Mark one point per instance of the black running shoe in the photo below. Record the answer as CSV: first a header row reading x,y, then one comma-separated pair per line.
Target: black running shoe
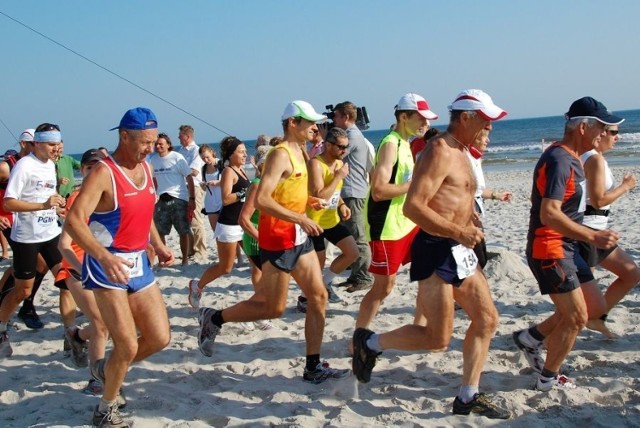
x,y
31,319
364,359
480,405
323,372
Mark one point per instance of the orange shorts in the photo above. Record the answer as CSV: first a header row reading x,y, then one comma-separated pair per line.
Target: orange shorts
x,y
387,256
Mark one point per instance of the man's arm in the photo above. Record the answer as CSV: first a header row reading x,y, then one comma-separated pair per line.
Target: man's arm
x,y
316,180
381,189
278,165
429,175
551,215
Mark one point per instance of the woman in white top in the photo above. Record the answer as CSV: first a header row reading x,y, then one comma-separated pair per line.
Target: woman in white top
x,y
601,193
211,175
474,154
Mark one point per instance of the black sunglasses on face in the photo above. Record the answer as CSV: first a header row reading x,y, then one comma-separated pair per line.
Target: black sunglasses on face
x,y
341,147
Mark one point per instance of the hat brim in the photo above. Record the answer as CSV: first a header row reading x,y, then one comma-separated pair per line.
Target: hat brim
x,y
610,120
492,113
428,114
313,117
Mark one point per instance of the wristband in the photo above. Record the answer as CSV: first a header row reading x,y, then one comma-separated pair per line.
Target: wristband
x,y
493,195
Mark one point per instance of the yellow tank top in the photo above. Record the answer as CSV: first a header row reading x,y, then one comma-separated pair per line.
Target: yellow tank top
x,y
327,217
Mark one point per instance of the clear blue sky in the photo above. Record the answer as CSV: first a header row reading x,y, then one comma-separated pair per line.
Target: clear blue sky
x,y
237,63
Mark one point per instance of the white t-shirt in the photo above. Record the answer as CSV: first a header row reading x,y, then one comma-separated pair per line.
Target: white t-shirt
x,y
212,194
170,172
194,160
32,180
476,167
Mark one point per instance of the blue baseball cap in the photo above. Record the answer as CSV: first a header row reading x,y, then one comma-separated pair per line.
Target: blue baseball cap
x,y
137,119
588,107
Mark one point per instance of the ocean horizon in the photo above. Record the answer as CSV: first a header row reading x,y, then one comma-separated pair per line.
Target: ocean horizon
x,y
516,144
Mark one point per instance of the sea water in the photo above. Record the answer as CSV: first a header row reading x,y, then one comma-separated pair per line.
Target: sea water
x,y
517,144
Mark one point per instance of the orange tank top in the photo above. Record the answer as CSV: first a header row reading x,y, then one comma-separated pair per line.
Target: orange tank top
x,y
291,193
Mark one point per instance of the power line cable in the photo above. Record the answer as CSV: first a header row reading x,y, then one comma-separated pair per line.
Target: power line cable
x,y
113,73
9,130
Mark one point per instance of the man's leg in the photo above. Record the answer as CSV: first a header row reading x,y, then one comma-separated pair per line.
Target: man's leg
x,y
360,267
571,317
437,299
21,291
382,287
475,298
197,227
151,319
308,276
185,244
116,314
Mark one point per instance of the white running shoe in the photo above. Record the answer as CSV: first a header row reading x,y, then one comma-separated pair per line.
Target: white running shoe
x,y
195,294
560,381
333,297
265,325
532,354
207,332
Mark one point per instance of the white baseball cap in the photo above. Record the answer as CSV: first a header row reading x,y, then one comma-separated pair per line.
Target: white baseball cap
x,y
417,103
27,135
302,109
477,100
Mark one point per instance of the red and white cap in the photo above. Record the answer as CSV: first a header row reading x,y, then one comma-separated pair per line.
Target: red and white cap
x,y
480,101
417,103
27,135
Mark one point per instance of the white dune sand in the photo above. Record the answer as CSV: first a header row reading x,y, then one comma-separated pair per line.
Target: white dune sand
x,y
255,377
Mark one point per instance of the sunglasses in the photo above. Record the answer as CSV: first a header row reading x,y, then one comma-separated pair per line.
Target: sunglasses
x,y
612,132
339,146
48,127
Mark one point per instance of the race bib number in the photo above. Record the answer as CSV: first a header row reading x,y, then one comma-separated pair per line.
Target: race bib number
x,y
301,235
333,202
43,220
136,260
466,261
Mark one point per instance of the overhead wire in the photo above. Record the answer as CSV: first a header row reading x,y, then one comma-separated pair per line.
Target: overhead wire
x,y
112,73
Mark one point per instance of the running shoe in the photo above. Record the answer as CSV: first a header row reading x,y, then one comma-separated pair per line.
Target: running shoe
x,y
545,384
195,294
364,359
66,346
532,354
79,349
110,418
265,325
96,369
480,405
247,326
323,372
31,319
301,306
207,332
5,345
333,297
94,387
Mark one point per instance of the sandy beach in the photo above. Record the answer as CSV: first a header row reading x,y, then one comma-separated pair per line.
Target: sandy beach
x,y
255,377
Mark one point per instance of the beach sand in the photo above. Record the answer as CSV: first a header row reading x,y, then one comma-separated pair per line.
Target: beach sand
x,y
255,377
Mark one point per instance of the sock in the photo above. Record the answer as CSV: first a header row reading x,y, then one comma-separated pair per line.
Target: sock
x,y
373,343
106,405
328,277
312,362
76,336
548,374
467,392
535,334
604,317
217,319
3,326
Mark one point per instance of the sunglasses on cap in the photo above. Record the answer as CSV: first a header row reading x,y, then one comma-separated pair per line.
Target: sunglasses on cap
x,y
45,127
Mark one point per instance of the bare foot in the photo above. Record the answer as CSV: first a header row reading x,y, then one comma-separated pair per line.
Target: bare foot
x,y
598,325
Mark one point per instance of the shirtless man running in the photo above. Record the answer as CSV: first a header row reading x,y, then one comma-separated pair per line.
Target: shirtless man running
x,y
440,202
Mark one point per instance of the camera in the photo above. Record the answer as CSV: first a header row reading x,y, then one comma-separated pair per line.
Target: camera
x,y
362,118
